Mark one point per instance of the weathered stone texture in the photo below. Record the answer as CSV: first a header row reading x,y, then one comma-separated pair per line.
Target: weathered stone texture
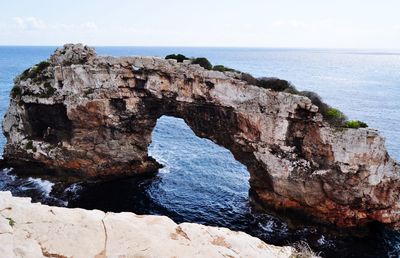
x,y
34,230
103,110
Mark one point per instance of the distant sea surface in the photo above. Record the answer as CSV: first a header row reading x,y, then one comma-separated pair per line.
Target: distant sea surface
x,y
202,182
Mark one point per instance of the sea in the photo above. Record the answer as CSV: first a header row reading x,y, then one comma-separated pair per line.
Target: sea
x,y
201,182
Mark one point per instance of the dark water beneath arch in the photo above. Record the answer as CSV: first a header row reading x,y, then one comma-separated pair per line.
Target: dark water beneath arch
x,y
201,182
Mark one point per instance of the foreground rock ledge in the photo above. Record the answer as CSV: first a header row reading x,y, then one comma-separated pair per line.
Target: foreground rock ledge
x,y
94,115
34,230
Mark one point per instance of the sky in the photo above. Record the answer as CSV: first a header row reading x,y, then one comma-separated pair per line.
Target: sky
x,y
369,24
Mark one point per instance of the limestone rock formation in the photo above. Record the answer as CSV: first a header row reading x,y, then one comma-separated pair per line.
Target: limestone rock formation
x,y
94,116
35,230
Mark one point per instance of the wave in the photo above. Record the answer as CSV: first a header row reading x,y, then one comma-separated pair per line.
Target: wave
x,y
44,186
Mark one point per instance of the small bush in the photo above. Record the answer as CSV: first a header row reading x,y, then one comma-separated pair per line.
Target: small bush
x,y
222,68
273,83
34,71
355,124
335,116
203,62
248,78
41,66
16,91
316,100
178,57
25,74
291,89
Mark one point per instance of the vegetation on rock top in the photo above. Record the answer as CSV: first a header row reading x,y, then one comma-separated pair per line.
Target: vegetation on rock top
x,y
41,66
203,62
34,71
275,84
335,116
222,68
16,92
332,115
178,57
355,124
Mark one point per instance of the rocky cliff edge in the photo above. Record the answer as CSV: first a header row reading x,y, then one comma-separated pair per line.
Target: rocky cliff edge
x,y
34,230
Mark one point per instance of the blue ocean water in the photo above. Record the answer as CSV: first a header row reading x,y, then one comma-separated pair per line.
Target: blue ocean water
x,y
202,182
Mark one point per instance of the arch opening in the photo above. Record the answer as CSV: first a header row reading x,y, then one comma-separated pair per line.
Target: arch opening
x,y
200,180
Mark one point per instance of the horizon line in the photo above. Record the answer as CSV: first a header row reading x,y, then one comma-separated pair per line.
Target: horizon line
x,y
232,47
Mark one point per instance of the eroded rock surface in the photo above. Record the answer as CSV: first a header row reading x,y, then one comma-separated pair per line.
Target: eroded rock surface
x,y
94,115
35,230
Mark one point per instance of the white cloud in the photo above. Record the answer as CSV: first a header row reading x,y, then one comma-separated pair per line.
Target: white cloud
x,y
39,31
92,26
295,24
29,23
34,24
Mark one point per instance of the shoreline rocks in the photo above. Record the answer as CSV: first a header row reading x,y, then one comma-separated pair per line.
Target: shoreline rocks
x,y
92,116
35,230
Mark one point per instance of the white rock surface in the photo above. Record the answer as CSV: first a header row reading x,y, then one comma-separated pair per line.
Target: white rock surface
x,y
35,230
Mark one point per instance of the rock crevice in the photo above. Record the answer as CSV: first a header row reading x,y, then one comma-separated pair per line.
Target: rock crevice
x,y
94,116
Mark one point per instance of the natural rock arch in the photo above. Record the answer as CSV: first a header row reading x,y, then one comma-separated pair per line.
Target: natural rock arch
x,y
94,115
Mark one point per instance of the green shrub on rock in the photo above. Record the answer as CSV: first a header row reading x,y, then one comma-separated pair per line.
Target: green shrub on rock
x,y
25,75
332,115
34,71
16,91
222,68
178,57
41,66
203,62
291,89
248,78
273,83
335,116
355,124
316,100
